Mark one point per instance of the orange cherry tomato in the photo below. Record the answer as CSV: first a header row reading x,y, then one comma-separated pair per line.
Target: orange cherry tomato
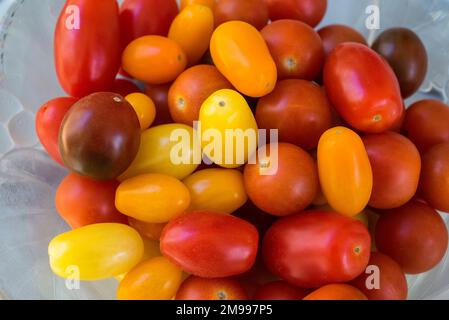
x,y
345,171
154,59
336,292
242,56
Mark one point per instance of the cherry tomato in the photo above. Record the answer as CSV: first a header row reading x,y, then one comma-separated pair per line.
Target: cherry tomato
x,y
296,172
396,166
155,153
151,231
392,284
154,59
87,56
159,95
315,248
82,201
154,279
336,292
100,136
192,30
254,12
95,252
210,245
196,288
406,54
154,198
139,18
308,11
280,290
296,48
299,110
191,89
222,114
124,87
48,122
336,34
216,190
363,88
434,184
345,172
414,235
207,3
242,56
426,123
144,108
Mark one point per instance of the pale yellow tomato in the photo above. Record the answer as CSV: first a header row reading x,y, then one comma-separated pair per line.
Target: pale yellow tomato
x,y
144,107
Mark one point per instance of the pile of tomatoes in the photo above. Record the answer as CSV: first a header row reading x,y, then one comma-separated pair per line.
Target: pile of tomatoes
x,y
352,206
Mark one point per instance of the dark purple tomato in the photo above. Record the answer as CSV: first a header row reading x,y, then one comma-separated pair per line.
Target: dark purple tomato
x,y
100,136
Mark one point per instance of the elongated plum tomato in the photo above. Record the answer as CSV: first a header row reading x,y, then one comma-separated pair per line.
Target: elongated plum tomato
x,y
210,244
48,122
363,88
316,248
154,198
337,292
242,56
100,136
82,201
154,279
87,56
196,288
335,34
155,153
207,3
222,114
144,108
280,290
345,172
216,190
154,59
192,30
254,12
99,251
307,11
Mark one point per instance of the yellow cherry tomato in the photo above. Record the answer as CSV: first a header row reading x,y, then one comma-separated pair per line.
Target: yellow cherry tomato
x,y
345,171
154,198
242,56
144,107
229,130
192,30
154,279
95,252
155,153
220,190
207,3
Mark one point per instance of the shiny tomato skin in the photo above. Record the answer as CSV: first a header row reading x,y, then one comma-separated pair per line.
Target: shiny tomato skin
x,y
336,292
87,58
315,248
254,12
151,231
299,109
426,123
335,34
307,11
400,234
82,201
124,87
196,288
210,244
48,122
280,290
396,166
392,281
363,88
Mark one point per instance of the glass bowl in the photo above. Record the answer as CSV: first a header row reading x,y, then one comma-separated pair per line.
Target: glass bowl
x,y
28,178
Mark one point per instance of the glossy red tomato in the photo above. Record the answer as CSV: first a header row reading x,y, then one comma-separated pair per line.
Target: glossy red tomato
x,y
146,17
124,87
87,51
383,279
336,34
254,12
315,248
196,288
363,88
210,245
48,122
414,235
280,290
82,201
308,11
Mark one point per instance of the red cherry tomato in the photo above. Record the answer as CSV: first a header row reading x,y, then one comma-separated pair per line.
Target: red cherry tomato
x,y
82,201
124,87
308,11
336,34
254,12
315,248
88,55
280,290
363,88
210,245
195,288
48,122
